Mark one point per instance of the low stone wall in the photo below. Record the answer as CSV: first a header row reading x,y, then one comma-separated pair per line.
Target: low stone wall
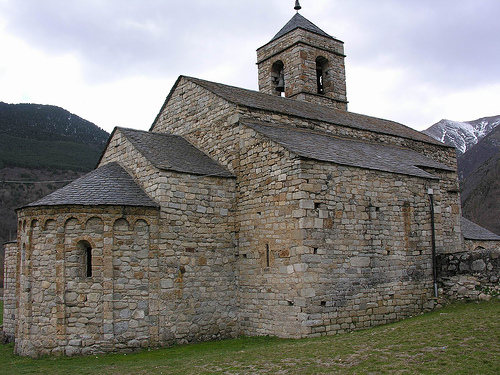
x,y
471,275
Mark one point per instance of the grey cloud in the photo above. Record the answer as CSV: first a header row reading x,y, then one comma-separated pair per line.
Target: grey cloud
x,y
451,43
116,38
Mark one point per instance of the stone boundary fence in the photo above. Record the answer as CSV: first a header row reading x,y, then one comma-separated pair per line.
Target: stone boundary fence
x,y
470,275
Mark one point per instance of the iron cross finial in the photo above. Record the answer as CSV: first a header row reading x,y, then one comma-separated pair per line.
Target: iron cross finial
x,y
297,6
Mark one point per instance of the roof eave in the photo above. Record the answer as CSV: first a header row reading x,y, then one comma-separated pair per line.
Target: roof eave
x,y
61,205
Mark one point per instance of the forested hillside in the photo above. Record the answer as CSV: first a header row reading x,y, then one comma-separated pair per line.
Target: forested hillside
x,y
43,136
42,148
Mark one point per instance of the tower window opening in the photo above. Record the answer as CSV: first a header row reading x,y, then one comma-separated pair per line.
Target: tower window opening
x,y
278,76
268,256
321,64
319,75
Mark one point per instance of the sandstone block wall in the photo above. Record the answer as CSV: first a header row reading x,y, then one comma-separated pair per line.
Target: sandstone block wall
x,y
366,251
448,207
269,236
195,261
285,285
158,277
354,251
62,310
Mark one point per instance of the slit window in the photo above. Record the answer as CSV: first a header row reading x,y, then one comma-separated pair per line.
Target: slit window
x,y
88,265
85,255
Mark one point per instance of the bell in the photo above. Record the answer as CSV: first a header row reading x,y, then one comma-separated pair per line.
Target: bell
x,y
297,6
281,84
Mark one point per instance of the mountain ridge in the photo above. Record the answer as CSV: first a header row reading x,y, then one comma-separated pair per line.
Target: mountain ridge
x,y
480,153
478,160
462,135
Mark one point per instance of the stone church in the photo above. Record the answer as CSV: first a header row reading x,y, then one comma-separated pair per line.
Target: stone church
x,y
276,212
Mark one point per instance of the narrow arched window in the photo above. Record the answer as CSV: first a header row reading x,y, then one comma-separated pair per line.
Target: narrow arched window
x,y
321,64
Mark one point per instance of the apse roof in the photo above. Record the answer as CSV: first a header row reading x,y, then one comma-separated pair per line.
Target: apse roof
x,y
173,152
108,185
300,22
322,146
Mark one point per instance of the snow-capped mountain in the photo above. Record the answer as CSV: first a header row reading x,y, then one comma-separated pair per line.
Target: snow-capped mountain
x,y
462,135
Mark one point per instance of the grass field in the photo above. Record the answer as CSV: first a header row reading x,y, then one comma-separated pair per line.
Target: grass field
x,y
463,338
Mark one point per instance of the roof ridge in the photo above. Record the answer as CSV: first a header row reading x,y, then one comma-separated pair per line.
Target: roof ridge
x,y
321,132
312,111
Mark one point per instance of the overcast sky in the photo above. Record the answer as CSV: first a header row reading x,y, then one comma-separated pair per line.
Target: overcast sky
x,y
113,62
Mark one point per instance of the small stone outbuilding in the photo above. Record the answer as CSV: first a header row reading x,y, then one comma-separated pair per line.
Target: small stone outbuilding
x,y
275,212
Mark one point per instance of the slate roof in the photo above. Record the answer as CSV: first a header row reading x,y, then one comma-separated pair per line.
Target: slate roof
x,y
298,21
173,152
106,185
308,111
357,153
472,231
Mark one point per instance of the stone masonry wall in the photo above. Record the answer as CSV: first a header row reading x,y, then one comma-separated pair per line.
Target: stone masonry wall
x,y
159,277
61,309
279,291
196,259
477,245
448,201
316,273
196,250
470,274
269,237
9,294
264,205
367,247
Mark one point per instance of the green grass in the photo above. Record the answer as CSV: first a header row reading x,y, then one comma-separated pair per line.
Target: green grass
x,y
463,338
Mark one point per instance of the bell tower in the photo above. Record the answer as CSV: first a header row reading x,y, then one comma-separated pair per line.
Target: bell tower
x,y
303,62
